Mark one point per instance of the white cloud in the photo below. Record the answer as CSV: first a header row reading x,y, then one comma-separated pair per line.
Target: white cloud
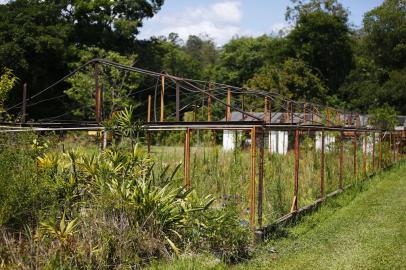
x,y
221,21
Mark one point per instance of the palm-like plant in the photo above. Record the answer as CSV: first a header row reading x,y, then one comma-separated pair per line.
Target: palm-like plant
x,y
124,123
63,232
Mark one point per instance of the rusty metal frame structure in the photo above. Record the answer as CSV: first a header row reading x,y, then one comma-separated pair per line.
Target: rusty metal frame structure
x,y
300,117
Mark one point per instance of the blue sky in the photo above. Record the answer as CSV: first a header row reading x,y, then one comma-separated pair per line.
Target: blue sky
x,y
223,19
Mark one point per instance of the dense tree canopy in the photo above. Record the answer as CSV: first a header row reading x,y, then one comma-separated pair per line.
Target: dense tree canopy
x,y
39,39
321,58
293,79
323,41
385,34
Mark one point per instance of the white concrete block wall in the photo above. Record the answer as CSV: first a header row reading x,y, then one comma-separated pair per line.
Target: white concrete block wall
x,y
228,140
328,141
278,140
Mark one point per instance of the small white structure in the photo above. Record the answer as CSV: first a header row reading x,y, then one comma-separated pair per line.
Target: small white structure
x,y
328,141
278,142
229,140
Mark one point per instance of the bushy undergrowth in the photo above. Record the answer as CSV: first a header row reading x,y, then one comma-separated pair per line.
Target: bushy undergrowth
x,y
104,211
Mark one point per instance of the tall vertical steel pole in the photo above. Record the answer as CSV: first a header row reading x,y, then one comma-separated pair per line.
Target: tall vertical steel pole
x,y
380,166
296,175
322,165
209,105
228,109
261,177
149,120
373,150
355,153
341,157
364,160
162,98
251,194
390,147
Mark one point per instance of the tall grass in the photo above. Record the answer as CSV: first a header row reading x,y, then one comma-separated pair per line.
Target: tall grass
x,y
226,174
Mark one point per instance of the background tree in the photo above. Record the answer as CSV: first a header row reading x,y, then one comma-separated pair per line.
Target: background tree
x,y
385,34
379,75
293,79
40,39
383,117
7,82
241,58
118,86
321,38
112,25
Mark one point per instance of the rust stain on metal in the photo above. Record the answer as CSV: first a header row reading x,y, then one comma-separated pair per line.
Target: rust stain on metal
x,y
322,165
355,153
228,110
261,177
364,161
162,98
341,160
296,174
251,194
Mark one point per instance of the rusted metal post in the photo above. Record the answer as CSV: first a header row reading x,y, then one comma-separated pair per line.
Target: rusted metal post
x,y
296,179
261,177
373,151
355,153
187,181
251,194
177,101
98,93
341,157
228,109
380,165
149,109
328,117
149,120
304,113
209,105
269,131
394,146
242,106
390,147
322,193
364,160
395,135
24,112
291,112
162,98
266,111
397,143
358,120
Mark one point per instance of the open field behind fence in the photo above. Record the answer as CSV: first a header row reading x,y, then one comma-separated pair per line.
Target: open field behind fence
x,y
227,174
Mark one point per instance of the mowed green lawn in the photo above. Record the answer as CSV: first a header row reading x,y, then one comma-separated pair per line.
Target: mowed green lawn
x,y
364,228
